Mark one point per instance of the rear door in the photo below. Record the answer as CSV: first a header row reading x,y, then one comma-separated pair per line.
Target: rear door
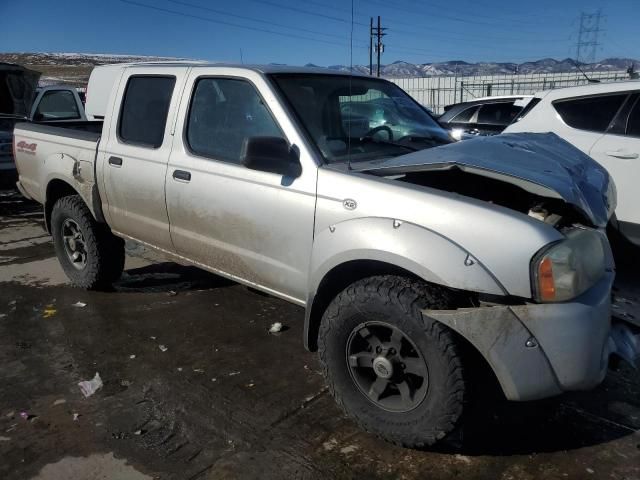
x,y
619,152
586,119
134,160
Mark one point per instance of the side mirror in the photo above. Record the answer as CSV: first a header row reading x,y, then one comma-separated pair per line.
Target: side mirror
x,y
270,154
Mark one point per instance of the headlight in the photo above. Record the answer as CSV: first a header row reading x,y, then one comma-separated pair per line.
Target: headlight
x,y
570,267
456,133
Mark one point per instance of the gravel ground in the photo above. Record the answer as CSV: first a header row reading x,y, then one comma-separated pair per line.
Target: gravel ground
x,y
195,387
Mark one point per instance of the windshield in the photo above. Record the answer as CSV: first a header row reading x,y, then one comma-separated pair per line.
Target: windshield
x,y
359,118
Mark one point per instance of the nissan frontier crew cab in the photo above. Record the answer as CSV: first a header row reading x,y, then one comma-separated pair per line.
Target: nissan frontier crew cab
x,y
341,194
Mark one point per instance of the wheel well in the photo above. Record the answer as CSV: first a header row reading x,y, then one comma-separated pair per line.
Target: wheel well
x,y
55,191
339,278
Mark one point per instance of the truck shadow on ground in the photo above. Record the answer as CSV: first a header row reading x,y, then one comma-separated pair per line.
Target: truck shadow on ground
x,y
494,426
169,277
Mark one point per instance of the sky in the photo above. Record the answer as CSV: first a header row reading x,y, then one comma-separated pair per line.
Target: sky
x,y
317,31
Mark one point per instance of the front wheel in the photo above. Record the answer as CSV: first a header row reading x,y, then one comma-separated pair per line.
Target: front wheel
x,y
90,255
398,374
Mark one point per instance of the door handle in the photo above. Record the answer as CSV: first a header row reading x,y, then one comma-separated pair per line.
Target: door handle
x,y
115,161
622,154
182,176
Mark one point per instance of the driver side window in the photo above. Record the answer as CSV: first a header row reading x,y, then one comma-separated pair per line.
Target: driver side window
x,y
224,113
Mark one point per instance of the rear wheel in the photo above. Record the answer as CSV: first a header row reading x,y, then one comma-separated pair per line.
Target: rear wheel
x,y
398,374
91,256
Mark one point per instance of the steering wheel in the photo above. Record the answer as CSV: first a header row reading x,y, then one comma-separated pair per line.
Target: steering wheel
x,y
381,128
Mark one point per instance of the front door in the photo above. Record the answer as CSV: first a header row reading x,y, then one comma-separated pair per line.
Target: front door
x,y
253,226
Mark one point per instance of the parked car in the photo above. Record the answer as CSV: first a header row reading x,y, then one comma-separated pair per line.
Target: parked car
x,y
481,116
602,120
20,100
17,87
403,252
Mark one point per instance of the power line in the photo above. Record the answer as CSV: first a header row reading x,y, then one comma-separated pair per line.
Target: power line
x,y
503,16
257,20
307,12
435,14
230,24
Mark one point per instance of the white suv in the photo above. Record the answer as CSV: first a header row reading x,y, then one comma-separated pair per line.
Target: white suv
x,y
602,120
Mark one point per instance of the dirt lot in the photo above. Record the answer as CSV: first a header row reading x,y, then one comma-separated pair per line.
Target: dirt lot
x,y
195,387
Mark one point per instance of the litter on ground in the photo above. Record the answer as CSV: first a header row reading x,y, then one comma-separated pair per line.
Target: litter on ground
x,y
89,387
275,327
162,348
79,304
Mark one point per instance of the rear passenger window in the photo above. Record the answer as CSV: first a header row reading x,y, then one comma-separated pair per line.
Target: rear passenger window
x,y
224,113
633,125
498,113
591,113
465,115
57,105
143,116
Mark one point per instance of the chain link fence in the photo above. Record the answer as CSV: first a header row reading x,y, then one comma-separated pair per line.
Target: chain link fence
x,y
437,92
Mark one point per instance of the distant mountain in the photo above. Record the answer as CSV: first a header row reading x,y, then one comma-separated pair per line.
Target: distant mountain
x,y
78,59
74,68
71,68
457,67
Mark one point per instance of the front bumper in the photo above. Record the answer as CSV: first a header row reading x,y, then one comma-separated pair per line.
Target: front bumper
x,y
541,350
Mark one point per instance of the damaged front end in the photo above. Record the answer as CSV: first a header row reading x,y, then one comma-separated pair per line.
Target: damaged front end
x,y
561,338
540,175
541,350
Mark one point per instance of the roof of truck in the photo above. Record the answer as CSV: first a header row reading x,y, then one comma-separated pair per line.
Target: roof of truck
x,y
255,68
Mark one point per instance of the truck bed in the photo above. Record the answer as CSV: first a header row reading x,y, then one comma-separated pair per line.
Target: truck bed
x,y
61,151
81,130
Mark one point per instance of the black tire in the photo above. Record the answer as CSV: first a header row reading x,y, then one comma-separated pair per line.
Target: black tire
x,y
395,301
104,252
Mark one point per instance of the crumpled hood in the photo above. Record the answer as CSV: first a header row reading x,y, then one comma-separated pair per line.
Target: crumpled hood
x,y
17,87
540,163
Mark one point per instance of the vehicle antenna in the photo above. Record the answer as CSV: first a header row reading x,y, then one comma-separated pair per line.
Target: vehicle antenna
x,y
350,77
590,80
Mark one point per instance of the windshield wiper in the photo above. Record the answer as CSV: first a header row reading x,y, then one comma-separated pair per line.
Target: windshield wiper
x,y
389,142
431,140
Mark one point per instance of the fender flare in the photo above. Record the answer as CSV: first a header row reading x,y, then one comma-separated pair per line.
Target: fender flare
x,y
407,246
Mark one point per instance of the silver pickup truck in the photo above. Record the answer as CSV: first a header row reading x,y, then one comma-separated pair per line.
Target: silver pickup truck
x,y
411,254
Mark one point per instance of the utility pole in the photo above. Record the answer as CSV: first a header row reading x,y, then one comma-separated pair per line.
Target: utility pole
x,y
588,36
370,45
379,47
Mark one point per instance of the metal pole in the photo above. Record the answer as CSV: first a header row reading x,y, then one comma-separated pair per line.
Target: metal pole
x,y
379,44
370,45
